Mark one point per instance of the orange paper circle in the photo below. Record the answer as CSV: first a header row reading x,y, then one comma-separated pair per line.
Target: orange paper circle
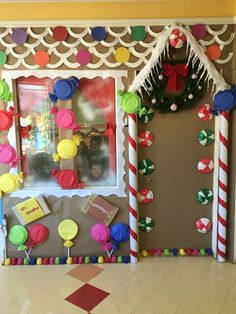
x,y
41,58
213,52
122,54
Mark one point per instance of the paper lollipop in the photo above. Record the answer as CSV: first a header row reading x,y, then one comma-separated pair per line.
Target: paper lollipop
x,y
68,230
67,149
67,178
100,233
18,236
10,182
131,103
4,91
8,155
65,118
64,89
38,234
119,233
6,118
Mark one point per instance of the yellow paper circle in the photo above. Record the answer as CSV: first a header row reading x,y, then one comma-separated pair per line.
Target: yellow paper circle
x,y
68,229
67,149
122,54
9,183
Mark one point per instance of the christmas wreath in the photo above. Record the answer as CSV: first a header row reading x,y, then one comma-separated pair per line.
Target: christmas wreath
x,y
175,86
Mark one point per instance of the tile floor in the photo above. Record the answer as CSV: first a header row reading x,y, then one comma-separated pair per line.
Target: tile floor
x,y
164,285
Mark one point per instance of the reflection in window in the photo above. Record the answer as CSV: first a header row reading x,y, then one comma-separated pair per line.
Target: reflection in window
x,y
95,109
39,133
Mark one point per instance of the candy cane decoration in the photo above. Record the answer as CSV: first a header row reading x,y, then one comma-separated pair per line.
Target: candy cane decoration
x,y
133,187
222,188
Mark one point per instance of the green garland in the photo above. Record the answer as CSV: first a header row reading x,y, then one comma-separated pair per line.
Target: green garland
x,y
165,103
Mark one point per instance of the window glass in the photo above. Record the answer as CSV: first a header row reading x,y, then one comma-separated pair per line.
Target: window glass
x,y
94,106
38,131
95,109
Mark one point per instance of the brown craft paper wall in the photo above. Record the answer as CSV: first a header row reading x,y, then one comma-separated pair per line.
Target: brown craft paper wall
x,y
175,181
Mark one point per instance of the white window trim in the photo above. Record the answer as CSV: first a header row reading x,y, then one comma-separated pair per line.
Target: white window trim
x,y
119,189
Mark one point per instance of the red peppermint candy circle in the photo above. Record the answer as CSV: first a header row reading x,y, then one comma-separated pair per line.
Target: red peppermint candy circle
x,y
204,112
177,38
145,196
145,138
203,225
205,165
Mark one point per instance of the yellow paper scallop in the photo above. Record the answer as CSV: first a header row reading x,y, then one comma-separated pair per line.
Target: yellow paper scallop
x,y
122,54
9,183
68,229
67,149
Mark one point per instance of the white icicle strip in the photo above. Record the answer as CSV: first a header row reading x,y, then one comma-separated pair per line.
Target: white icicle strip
x,y
162,44
196,52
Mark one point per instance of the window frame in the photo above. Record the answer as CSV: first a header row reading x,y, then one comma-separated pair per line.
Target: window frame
x,y
119,188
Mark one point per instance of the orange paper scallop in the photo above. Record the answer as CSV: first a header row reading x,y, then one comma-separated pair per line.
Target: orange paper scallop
x,y
213,52
41,58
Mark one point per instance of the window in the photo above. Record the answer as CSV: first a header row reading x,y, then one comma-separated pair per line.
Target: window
x,y
99,162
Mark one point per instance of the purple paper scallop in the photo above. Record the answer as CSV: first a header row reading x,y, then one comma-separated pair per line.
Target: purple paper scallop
x,y
198,31
83,56
19,36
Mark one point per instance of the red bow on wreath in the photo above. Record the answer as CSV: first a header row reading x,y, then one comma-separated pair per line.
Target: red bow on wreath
x,y
175,74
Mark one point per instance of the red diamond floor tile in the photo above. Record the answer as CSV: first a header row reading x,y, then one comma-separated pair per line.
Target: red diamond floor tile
x,y
87,297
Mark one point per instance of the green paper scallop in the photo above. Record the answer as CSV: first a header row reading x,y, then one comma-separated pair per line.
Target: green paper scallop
x,y
3,58
18,235
138,33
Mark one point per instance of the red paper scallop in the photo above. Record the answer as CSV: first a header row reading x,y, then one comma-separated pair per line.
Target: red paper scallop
x,y
41,58
213,52
60,33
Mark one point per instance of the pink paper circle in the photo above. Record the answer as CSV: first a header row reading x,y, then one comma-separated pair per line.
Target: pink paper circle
x,y
198,31
83,56
19,36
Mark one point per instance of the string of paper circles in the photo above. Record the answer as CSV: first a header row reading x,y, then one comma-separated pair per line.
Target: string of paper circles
x,y
175,86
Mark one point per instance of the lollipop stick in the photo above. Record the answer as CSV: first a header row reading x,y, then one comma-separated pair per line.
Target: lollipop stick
x,y
108,254
27,255
29,252
111,252
68,252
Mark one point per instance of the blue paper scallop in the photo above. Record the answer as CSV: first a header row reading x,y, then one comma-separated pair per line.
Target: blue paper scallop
x,y
99,33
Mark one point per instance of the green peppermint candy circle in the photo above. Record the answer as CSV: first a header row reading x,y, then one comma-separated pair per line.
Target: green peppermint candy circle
x,y
206,137
146,167
148,116
204,196
146,224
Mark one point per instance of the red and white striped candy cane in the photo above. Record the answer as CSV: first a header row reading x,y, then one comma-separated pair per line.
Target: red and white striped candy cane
x,y
133,187
222,188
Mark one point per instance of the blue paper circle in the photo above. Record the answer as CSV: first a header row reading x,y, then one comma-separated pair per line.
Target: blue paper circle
x,y
99,33
225,100
120,232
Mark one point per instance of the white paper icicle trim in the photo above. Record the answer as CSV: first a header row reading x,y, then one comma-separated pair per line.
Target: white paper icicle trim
x,y
196,52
